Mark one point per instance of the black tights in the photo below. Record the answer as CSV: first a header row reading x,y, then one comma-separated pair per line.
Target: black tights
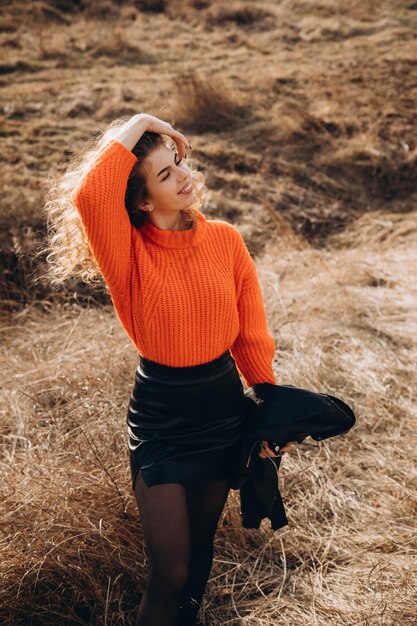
x,y
179,524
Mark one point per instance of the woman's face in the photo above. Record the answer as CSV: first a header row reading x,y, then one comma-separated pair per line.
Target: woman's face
x,y
166,177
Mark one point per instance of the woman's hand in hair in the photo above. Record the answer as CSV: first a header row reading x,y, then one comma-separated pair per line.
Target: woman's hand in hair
x,y
131,131
155,125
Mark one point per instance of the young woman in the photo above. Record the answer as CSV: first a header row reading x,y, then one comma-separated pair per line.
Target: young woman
x,y
186,291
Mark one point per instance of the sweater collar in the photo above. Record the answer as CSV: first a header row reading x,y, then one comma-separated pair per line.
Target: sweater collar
x,y
177,238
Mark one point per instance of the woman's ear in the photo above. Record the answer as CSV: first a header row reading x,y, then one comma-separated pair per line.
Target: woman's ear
x,y
145,206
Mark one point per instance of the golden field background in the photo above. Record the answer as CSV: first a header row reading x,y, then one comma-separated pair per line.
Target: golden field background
x,y
302,117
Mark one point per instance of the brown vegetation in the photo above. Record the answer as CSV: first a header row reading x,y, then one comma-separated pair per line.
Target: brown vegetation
x,y
201,106
301,115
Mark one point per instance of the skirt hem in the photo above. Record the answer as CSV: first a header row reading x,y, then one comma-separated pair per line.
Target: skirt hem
x,y
167,473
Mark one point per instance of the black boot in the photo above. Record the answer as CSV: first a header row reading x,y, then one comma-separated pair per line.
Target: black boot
x,y
187,615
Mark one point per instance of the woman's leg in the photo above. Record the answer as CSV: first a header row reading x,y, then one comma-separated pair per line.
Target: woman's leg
x,y
164,517
205,505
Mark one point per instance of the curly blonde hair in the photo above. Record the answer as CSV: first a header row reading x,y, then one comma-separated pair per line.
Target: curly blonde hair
x,y
68,254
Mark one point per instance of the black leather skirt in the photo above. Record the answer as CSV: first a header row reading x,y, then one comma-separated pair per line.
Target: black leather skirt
x,y
185,424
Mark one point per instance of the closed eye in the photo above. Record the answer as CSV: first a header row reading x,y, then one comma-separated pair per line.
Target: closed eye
x,y
177,163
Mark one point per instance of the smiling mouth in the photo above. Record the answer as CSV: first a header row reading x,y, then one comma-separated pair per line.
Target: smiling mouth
x,y
186,189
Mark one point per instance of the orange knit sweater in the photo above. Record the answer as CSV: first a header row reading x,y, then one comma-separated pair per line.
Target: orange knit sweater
x,y
183,297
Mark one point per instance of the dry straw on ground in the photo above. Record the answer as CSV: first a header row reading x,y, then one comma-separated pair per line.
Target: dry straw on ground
x,y
72,543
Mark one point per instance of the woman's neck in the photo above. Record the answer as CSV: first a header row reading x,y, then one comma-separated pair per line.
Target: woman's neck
x,y
180,224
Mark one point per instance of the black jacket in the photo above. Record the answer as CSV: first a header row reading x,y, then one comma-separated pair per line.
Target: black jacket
x,y
279,414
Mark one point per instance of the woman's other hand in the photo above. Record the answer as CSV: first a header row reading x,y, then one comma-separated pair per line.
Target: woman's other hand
x,y
266,450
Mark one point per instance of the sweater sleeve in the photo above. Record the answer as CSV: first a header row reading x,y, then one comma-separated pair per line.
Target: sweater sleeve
x,y
254,347
100,200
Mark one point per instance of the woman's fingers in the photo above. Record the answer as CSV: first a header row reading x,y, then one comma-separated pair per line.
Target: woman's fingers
x,y
180,140
182,145
154,124
266,450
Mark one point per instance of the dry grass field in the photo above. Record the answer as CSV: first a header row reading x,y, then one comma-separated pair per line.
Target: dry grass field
x,y
302,116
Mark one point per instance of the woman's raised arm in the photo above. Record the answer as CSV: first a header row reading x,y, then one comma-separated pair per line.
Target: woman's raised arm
x,y
100,197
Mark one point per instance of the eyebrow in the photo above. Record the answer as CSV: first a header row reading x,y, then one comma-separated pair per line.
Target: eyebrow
x,y
168,166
